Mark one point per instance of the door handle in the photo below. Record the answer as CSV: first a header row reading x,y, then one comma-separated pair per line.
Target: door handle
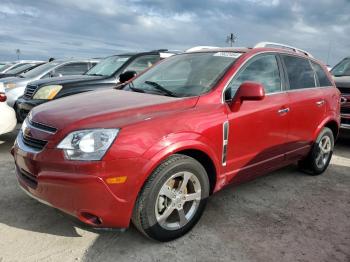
x,y
284,111
320,103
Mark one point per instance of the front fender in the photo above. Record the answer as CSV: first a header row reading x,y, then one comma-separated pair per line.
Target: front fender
x,y
174,143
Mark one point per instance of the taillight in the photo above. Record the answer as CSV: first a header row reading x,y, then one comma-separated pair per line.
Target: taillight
x,y
2,97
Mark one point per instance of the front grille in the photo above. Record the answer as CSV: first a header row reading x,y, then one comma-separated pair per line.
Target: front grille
x,y
344,90
345,110
43,127
33,142
29,91
28,178
345,121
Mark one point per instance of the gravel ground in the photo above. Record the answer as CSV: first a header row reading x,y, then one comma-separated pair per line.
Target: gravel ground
x,y
285,216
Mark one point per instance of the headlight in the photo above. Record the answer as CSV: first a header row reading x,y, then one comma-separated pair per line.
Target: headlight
x,y
9,85
47,92
88,144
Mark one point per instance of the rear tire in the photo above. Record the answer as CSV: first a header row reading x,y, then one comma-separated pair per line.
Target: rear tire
x,y
321,154
173,199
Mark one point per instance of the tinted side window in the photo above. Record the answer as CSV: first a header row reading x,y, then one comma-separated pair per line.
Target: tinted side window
x,y
321,75
262,69
72,69
142,63
300,73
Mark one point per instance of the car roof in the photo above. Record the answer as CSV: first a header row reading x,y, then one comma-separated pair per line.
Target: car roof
x,y
74,60
153,52
259,47
219,49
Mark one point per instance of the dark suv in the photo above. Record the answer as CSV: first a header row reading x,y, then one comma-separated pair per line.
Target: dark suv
x,y
341,74
104,75
153,151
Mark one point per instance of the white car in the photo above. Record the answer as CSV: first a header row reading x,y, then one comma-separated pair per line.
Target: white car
x,y
8,119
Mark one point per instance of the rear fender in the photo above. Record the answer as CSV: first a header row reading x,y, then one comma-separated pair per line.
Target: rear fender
x,y
331,118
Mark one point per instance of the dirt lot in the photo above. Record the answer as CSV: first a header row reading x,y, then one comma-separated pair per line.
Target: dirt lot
x,y
286,216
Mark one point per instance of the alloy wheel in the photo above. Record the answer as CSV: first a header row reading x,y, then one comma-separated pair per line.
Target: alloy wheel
x,y
324,151
178,200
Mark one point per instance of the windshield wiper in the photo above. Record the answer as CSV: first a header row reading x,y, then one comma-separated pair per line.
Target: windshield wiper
x,y
160,88
95,75
132,87
341,75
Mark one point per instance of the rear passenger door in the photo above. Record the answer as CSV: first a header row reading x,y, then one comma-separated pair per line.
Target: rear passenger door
x,y
307,104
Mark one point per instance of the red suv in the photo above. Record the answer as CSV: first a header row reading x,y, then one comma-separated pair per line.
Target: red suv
x,y
153,151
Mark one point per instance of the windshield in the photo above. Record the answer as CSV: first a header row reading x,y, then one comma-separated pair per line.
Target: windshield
x,y
184,75
20,69
40,69
342,69
108,66
6,66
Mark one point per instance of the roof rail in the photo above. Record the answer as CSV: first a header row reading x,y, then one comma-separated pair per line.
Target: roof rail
x,y
198,48
282,46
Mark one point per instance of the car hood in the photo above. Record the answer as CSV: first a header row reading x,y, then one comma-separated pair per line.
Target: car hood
x,y
10,79
63,80
342,81
106,109
20,82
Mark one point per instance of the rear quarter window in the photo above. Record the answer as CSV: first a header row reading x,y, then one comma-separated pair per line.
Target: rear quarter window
x,y
300,73
321,75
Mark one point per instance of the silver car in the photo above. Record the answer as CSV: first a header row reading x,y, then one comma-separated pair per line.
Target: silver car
x,y
15,86
7,66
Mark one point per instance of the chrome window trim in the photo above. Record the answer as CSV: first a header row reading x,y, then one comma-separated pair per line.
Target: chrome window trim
x,y
282,91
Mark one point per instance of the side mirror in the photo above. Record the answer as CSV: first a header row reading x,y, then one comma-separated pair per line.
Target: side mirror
x,y
248,91
3,97
126,76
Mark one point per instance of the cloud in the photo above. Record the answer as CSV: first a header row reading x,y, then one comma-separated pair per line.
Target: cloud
x,y
88,28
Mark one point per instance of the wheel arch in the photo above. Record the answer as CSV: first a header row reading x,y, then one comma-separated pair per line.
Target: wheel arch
x,y
196,149
332,124
206,162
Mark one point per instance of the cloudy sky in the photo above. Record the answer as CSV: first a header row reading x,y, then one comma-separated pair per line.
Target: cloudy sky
x,y
94,28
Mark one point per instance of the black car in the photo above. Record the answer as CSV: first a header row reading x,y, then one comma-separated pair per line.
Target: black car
x,y
21,69
107,74
341,75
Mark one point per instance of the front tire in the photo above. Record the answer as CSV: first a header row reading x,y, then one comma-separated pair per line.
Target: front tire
x,y
173,199
321,154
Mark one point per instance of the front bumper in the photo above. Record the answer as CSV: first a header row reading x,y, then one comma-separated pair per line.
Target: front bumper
x,y
13,94
80,188
24,106
345,121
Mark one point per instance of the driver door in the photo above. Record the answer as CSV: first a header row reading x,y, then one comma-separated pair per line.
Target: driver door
x,y
258,131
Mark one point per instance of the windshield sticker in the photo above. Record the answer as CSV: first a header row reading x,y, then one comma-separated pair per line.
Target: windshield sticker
x,y
228,54
123,59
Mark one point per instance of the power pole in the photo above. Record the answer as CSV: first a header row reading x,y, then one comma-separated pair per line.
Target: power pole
x,y
231,39
18,52
329,51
